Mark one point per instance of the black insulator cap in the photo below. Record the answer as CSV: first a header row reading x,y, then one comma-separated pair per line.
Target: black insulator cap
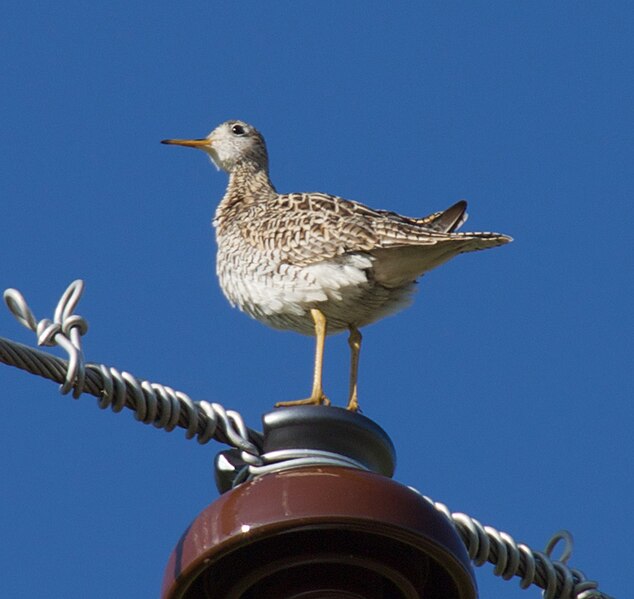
x,y
330,429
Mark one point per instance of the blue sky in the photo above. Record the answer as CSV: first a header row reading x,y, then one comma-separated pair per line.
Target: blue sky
x,y
507,387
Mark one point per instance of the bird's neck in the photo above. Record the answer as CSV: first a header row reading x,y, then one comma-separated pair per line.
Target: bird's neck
x,y
248,183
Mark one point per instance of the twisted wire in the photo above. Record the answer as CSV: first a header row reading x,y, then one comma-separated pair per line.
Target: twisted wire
x,y
152,403
487,544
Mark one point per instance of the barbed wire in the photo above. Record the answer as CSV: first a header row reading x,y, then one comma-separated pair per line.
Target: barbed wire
x,y
165,408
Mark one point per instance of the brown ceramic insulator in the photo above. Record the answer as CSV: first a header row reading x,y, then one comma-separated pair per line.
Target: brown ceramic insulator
x,y
320,533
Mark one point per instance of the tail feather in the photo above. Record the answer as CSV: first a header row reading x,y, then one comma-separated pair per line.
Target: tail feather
x,y
445,221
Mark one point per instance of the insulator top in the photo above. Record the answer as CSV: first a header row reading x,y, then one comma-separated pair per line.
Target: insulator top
x,y
303,436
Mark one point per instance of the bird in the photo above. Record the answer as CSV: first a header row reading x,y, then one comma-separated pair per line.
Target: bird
x,y
315,263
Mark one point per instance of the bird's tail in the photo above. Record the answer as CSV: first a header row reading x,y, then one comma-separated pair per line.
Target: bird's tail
x,y
445,221
398,265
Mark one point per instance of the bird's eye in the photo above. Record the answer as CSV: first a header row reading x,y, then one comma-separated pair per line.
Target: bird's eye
x,y
238,130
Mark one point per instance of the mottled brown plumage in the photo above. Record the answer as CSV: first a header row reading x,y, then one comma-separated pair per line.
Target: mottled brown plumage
x,y
316,263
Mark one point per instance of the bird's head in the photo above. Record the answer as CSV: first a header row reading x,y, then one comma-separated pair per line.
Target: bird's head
x,y
230,144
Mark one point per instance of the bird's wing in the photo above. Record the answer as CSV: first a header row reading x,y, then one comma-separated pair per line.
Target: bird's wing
x,y
307,228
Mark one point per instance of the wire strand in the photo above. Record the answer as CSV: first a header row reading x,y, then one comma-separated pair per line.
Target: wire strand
x,y
152,403
511,559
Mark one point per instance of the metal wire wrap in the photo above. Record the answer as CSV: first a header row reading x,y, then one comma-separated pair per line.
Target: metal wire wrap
x,y
64,330
287,459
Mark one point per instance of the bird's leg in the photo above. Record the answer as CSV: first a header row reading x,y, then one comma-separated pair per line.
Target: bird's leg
x,y
317,396
354,341
317,393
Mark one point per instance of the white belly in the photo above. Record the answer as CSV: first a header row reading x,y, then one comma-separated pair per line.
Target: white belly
x,y
282,295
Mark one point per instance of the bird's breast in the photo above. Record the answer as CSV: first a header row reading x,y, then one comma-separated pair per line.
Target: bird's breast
x,y
281,294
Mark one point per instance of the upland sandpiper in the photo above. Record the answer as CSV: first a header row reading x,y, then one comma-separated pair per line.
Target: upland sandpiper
x,y
316,263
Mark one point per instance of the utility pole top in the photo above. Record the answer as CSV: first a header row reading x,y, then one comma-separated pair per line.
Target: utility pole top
x,y
322,520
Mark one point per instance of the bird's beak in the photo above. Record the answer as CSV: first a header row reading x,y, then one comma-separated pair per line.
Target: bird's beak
x,y
190,143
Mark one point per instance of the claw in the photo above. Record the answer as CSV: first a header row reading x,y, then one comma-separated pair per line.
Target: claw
x,y
319,400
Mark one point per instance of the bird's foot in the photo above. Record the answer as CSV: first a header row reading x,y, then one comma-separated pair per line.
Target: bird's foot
x,y
353,404
316,399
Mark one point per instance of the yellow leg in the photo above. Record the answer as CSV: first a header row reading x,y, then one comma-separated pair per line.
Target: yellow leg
x,y
354,341
317,396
